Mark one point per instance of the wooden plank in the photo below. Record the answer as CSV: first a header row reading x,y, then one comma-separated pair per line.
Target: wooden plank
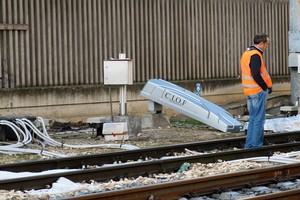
x,y
12,27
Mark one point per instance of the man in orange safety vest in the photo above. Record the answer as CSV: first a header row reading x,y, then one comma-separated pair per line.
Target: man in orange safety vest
x,y
257,84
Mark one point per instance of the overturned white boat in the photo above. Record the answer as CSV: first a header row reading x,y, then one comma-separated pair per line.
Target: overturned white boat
x,y
190,104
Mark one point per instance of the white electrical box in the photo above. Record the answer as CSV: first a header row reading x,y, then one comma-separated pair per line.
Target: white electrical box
x,y
118,72
115,131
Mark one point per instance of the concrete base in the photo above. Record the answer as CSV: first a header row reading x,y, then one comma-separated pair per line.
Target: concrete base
x,y
295,85
134,123
155,120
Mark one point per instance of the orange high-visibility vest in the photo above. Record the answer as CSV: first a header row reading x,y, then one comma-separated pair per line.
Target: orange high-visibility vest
x,y
249,85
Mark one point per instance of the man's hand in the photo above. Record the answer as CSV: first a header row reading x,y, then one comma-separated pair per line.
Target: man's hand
x,y
270,90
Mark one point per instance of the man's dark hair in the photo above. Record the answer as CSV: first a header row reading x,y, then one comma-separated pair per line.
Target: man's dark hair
x,y
262,37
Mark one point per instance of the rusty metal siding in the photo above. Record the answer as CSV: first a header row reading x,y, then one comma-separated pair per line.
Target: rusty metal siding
x,y
68,40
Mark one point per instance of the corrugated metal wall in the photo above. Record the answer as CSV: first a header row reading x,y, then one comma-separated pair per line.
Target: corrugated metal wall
x,y
67,40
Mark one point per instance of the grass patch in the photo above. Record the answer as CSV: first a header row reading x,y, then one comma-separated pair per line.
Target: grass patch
x,y
186,122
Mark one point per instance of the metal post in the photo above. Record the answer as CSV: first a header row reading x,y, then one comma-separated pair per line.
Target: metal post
x,y
123,100
122,91
110,103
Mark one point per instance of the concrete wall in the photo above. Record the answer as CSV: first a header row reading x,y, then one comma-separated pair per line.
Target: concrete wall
x,y
81,102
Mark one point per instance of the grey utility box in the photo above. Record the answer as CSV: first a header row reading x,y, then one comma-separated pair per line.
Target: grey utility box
x,y
118,72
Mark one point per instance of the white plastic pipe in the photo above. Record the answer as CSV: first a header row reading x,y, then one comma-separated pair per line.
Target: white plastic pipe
x,y
25,137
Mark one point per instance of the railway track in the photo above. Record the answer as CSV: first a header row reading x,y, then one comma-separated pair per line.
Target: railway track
x,y
135,169
208,185
84,161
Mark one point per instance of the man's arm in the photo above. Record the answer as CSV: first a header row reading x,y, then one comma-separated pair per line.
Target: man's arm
x,y
255,64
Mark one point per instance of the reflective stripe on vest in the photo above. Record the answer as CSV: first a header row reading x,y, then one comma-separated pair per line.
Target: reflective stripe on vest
x,y
250,78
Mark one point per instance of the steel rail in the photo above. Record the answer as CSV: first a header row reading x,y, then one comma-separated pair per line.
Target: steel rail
x,y
142,168
154,152
285,195
201,186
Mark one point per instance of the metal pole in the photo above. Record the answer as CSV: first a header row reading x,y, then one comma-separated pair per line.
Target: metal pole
x,y
110,102
122,99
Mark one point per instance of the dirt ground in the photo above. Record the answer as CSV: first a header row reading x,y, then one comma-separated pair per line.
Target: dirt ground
x,y
181,130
